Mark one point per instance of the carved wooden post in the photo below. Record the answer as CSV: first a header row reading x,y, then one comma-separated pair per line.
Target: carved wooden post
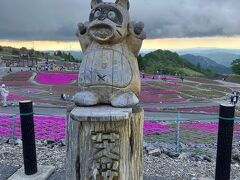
x,y
105,143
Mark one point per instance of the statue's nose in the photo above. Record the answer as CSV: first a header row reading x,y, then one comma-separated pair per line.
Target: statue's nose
x,y
102,17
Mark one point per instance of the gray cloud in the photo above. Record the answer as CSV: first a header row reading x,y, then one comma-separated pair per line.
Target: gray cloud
x,y
57,19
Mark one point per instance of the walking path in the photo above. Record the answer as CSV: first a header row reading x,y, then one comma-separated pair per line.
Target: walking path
x,y
54,111
228,84
3,71
38,110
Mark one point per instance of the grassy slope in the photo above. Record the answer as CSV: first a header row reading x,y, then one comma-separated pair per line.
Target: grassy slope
x,y
192,72
167,62
233,78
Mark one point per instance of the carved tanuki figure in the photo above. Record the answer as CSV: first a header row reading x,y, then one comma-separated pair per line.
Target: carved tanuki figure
x,y
109,71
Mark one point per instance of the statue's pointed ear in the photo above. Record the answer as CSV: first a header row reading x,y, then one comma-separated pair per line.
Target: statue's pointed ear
x,y
95,2
123,3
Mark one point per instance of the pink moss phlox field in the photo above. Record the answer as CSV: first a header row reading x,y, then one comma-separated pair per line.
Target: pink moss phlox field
x,y
148,91
154,96
237,129
55,78
205,128
18,76
155,128
46,127
237,133
174,85
169,78
16,83
145,81
53,127
14,97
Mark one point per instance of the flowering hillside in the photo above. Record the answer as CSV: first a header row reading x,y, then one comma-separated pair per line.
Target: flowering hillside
x,y
47,78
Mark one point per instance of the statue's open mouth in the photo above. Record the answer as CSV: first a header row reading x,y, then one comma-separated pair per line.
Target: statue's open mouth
x,y
101,32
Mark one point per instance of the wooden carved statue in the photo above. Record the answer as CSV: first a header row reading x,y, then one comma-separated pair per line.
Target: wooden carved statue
x,y
109,71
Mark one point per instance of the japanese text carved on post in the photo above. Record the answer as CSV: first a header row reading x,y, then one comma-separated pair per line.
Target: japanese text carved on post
x,y
110,43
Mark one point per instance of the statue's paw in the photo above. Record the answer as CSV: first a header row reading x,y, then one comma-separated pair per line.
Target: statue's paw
x,y
85,98
136,29
125,100
81,30
142,36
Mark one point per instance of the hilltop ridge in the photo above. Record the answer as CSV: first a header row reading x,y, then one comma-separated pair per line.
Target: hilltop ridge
x,y
168,62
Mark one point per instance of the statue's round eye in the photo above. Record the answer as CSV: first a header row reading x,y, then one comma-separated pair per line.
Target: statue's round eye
x,y
111,15
97,14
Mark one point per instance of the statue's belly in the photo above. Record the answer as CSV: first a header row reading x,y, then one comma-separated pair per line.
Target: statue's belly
x,y
105,67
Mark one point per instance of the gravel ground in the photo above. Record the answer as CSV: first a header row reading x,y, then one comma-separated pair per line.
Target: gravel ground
x,y
46,155
161,166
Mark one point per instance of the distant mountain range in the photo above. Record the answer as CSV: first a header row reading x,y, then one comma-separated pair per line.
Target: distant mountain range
x,y
206,63
168,62
220,56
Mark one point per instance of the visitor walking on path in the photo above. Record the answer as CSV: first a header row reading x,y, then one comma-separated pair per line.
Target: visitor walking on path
x,y
4,94
182,78
63,97
234,97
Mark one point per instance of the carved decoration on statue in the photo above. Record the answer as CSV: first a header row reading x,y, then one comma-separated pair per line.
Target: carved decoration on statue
x,y
106,156
110,43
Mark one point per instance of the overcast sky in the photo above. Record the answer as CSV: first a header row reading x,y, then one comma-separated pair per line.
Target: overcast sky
x,y
57,19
